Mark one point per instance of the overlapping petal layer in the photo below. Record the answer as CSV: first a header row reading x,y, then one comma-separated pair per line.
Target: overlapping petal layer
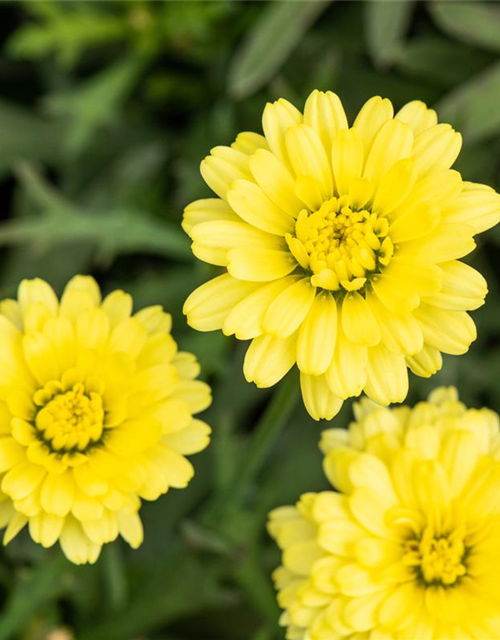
x,y
409,546
96,413
342,248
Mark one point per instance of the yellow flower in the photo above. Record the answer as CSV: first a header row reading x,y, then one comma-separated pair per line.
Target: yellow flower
x,y
96,412
409,549
341,247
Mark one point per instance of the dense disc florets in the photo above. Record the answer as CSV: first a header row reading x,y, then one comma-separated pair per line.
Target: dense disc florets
x,y
96,413
409,546
342,247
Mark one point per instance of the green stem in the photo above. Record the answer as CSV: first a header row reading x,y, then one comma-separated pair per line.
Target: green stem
x,y
262,440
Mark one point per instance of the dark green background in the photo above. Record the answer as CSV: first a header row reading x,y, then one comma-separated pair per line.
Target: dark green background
x,y
106,109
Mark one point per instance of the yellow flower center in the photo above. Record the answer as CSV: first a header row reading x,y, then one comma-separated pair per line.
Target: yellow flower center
x,y
69,420
438,560
341,246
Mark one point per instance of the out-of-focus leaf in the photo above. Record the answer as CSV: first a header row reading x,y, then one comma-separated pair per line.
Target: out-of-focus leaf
x,y
118,231
39,587
473,107
96,102
473,22
24,135
386,24
65,31
269,43
185,587
435,58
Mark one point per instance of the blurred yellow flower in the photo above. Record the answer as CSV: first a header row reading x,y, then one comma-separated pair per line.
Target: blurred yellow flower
x,y
341,247
409,549
96,413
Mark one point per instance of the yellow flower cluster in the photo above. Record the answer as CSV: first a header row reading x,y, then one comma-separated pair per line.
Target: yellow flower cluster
x,y
341,246
409,546
96,413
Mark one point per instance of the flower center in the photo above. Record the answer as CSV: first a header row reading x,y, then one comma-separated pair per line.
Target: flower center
x,y
438,560
341,246
69,420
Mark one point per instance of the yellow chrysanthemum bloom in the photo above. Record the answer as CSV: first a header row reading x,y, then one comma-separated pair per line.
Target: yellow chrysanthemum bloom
x,y
341,247
409,549
96,413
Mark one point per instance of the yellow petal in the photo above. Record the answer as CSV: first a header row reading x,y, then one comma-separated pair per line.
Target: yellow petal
x,y
118,306
317,336
372,116
222,167
400,333
92,329
477,206
387,376
276,182
358,322
347,159
463,288
324,113
449,331
58,493
394,188
37,290
128,337
11,453
392,143
277,118
207,307
418,116
22,480
425,363
287,311
346,375
206,210
192,439
223,235
246,317
268,359
46,528
76,545
248,142
419,220
260,265
131,529
308,157
40,357
85,284
250,202
319,400
436,148
60,334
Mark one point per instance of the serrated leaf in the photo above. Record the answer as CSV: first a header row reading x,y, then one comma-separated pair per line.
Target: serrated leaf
x,y
24,135
473,107
386,24
274,36
96,102
61,221
473,22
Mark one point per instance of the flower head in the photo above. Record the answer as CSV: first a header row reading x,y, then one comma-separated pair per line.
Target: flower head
x,y
96,413
409,547
342,248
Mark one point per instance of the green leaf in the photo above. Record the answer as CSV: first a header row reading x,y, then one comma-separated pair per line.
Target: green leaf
x,y
434,58
24,135
39,587
64,30
475,23
118,231
95,103
473,107
386,24
278,31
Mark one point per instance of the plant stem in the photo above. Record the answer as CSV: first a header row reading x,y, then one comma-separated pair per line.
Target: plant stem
x,y
262,440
